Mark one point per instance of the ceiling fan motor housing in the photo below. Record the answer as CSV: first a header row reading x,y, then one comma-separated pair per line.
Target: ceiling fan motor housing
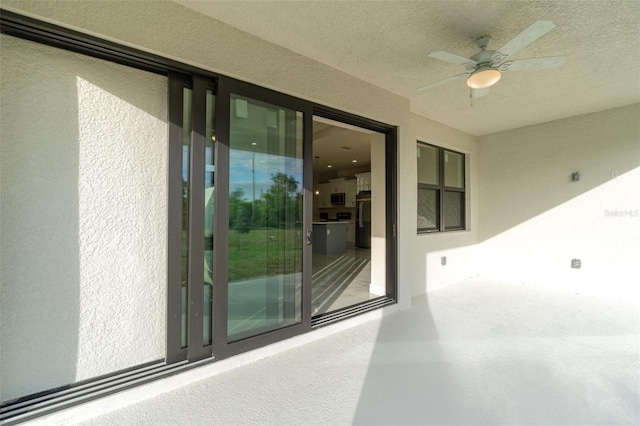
x,y
483,73
484,57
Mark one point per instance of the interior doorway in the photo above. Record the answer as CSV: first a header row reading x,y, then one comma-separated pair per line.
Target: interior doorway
x,y
349,219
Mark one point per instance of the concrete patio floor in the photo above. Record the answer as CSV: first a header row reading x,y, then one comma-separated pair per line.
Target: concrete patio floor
x,y
473,353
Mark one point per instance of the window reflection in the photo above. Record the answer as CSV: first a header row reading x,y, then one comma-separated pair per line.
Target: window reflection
x,y
265,217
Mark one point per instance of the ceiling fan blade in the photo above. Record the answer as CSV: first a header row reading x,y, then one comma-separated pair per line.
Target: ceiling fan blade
x,y
533,64
478,93
441,82
469,64
528,36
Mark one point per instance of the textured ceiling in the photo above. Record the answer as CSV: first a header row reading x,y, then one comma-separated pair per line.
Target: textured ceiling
x,y
388,42
336,145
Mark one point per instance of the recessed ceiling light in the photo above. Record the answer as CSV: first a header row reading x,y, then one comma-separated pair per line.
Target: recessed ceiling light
x,y
329,166
253,143
354,161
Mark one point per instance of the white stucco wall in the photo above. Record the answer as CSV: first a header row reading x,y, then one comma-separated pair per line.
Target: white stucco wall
x,y
458,246
176,32
535,220
83,217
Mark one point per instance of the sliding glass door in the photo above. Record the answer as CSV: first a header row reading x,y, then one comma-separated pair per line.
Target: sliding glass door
x,y
265,249
244,219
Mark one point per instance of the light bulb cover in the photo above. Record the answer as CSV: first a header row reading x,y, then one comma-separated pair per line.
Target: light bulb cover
x,y
484,77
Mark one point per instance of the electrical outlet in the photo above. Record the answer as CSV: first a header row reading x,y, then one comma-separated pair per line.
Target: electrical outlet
x,y
443,260
576,263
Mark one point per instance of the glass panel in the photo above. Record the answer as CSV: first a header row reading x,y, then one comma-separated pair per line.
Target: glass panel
x,y
453,209
427,208
427,164
265,217
186,143
209,172
453,169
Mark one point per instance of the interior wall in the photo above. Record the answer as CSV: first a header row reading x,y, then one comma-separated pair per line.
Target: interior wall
x,y
457,246
83,187
535,219
378,216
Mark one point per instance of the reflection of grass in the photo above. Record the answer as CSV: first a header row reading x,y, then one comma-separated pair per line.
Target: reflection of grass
x,y
260,253
264,252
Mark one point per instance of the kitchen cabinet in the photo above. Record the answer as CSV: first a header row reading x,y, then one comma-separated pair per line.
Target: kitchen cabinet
x,y
329,237
350,192
324,198
364,181
337,186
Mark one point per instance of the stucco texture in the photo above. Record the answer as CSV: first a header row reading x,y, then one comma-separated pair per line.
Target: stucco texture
x,y
459,247
83,217
535,219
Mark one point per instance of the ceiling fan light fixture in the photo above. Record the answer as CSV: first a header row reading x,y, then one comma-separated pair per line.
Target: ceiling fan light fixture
x,y
484,77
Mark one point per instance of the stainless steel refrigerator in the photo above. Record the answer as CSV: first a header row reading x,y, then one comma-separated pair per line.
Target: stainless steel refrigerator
x,y
363,219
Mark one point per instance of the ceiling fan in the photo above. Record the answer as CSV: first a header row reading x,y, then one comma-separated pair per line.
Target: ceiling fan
x,y
485,68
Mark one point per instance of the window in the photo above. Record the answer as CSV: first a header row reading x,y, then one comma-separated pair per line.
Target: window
x,y
441,189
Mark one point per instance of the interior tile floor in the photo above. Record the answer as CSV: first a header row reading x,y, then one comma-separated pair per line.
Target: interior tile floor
x,y
473,353
340,280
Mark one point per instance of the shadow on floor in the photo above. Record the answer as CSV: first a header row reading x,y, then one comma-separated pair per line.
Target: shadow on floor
x,y
487,353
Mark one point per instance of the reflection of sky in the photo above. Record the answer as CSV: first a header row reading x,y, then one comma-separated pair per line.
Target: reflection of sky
x,y
266,165
185,162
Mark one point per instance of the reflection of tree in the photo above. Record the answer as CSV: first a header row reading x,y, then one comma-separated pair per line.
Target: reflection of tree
x,y
235,202
280,201
278,207
185,201
242,222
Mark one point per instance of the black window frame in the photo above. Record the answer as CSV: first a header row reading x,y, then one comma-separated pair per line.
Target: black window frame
x,y
441,190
